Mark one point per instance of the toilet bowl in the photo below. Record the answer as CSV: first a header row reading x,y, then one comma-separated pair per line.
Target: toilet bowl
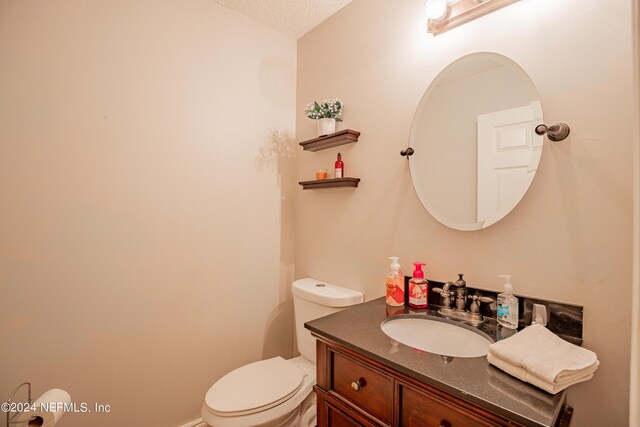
x,y
277,392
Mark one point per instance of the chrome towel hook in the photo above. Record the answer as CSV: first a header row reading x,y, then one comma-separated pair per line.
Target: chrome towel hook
x,y
556,132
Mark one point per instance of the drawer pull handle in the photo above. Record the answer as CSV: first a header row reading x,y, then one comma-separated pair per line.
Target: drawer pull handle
x,y
444,423
357,385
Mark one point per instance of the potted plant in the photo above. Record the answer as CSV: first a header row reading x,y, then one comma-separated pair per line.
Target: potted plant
x,y
327,113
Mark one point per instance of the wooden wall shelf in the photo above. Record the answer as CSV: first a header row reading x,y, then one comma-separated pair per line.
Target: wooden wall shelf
x,y
335,139
330,183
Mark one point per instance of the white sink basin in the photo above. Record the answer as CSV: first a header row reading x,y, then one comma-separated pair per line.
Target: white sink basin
x,y
437,336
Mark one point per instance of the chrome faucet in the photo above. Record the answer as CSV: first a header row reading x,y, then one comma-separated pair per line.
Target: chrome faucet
x,y
472,315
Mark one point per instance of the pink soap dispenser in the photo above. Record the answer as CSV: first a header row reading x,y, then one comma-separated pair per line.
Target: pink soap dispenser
x,y
418,287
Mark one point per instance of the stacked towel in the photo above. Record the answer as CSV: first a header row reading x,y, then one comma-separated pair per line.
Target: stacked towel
x,y
539,357
517,391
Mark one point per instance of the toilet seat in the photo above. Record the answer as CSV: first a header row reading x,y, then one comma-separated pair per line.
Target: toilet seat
x,y
255,387
286,414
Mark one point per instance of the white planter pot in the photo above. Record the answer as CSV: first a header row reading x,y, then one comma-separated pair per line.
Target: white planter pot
x,y
326,126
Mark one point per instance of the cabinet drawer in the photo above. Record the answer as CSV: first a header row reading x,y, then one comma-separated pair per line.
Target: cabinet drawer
x,y
420,410
366,388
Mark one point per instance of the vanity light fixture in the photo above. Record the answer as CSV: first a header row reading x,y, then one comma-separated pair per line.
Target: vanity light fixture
x,y
447,14
437,10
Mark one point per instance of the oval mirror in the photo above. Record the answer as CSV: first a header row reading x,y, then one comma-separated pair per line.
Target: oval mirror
x,y
475,148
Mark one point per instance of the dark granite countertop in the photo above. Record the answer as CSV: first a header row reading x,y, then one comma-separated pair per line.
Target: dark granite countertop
x,y
471,379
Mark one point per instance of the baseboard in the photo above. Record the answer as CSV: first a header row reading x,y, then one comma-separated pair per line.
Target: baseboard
x,y
195,423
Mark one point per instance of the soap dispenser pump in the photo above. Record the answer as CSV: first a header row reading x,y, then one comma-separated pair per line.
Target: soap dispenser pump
x,y
418,287
507,305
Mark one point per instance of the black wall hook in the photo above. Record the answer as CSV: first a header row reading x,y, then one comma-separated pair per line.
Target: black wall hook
x,y
406,153
556,132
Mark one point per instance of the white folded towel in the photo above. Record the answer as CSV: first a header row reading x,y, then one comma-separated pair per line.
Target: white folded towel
x,y
515,390
546,356
522,374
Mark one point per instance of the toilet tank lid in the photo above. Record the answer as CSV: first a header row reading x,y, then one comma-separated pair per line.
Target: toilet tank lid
x,y
324,293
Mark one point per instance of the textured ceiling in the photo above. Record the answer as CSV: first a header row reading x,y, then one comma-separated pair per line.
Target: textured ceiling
x,y
292,17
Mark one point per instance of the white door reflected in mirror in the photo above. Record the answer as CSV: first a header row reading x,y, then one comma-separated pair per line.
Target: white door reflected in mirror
x,y
476,150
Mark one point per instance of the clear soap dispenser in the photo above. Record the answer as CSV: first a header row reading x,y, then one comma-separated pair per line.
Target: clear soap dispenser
x,y
507,305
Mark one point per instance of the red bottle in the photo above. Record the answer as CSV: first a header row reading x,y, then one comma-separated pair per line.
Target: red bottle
x,y
339,167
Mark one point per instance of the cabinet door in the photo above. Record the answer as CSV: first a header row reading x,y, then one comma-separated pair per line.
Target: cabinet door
x,y
418,409
333,413
337,418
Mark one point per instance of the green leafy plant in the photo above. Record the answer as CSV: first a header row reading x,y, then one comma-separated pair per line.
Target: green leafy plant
x,y
326,109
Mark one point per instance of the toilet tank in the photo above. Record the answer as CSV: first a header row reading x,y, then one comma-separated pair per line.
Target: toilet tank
x,y
313,299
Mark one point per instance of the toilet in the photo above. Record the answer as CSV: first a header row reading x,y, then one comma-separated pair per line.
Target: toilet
x,y
277,392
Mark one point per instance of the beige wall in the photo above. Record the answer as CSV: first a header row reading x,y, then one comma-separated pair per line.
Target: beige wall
x,y
570,237
146,218
634,399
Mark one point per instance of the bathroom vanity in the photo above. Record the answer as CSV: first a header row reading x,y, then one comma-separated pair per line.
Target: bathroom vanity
x,y
365,378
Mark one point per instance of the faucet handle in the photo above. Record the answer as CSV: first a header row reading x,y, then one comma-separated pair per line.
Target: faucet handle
x,y
480,298
475,305
446,301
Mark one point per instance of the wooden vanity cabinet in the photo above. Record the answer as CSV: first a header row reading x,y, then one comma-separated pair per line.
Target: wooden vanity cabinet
x,y
353,391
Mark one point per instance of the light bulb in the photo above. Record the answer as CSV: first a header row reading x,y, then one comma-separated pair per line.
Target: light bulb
x,y
436,10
